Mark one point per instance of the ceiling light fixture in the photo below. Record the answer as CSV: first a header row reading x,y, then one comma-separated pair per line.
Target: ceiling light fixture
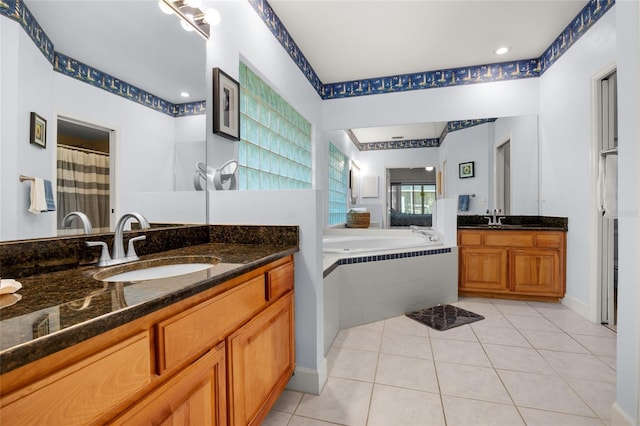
x,y
429,168
502,50
191,17
185,94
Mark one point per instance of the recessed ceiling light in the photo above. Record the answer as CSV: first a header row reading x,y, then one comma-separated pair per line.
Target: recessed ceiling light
x,y
502,50
185,94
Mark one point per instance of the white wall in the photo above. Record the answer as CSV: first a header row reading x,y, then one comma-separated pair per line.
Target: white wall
x,y
568,157
242,36
462,146
628,360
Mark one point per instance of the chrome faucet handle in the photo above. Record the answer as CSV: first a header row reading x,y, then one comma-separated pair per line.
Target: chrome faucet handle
x,y
104,254
131,251
500,220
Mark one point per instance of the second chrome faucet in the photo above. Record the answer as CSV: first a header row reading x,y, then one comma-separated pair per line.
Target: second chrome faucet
x,y
119,255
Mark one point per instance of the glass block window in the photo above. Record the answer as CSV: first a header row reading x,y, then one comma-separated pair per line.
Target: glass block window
x,y
275,146
338,178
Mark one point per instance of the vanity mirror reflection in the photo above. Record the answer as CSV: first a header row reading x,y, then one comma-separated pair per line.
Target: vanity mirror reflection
x,y
120,66
503,150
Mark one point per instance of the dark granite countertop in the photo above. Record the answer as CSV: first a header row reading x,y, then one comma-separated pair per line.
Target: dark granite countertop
x,y
515,223
61,308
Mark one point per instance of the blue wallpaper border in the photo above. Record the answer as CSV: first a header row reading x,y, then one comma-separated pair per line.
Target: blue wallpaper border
x,y
527,68
18,11
451,126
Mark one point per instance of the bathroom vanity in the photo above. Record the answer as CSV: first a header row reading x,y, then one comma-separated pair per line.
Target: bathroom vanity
x,y
524,258
205,348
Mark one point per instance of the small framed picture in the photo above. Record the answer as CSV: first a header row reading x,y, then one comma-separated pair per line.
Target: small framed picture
x,y
38,130
466,170
226,105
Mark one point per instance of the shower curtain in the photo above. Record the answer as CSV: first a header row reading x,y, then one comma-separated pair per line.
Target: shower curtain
x,y
83,185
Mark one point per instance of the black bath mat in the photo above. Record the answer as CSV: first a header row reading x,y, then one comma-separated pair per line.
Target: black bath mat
x,y
444,317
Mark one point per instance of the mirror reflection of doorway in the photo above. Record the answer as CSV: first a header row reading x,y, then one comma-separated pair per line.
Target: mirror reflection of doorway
x,y
83,175
503,178
411,196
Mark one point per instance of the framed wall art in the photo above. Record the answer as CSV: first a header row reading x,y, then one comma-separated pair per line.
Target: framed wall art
x,y
38,133
465,170
226,105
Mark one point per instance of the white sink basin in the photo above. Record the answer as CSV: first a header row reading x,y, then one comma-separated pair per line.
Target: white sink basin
x,y
154,269
156,272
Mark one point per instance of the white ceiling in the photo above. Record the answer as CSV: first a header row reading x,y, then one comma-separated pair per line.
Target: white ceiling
x,y
342,40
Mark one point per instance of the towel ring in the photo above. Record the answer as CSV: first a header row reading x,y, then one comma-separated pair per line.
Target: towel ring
x,y
223,178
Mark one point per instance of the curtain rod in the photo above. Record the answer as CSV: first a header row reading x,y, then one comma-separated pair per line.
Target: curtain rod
x,y
77,148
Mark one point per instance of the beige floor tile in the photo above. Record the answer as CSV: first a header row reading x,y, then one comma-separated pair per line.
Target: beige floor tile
x,y
288,401
599,396
306,421
521,322
579,366
455,351
598,345
372,326
397,406
543,392
582,326
365,340
610,361
518,359
466,412
493,321
515,307
341,401
405,325
558,311
463,332
499,336
405,372
547,418
352,364
276,418
553,341
401,344
469,381
479,308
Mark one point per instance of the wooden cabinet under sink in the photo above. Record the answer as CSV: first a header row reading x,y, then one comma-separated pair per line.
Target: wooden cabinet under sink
x,y
222,356
515,264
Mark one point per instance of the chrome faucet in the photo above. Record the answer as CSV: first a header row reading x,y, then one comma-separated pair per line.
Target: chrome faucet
x,y
119,255
493,219
426,232
86,223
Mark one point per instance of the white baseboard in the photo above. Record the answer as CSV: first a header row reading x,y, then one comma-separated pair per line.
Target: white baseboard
x,y
577,306
308,380
619,417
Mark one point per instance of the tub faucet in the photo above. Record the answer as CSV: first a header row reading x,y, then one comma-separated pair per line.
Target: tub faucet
x,y
426,232
119,255
86,223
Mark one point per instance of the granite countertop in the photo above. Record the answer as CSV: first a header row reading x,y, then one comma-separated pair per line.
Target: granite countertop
x,y
62,308
515,223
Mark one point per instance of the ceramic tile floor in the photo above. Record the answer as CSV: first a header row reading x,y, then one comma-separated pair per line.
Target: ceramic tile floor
x,y
526,363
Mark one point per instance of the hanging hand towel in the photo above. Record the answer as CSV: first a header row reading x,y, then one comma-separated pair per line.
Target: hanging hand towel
x,y
48,195
463,203
610,202
38,200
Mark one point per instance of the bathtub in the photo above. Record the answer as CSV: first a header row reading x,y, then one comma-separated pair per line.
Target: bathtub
x,y
364,243
372,275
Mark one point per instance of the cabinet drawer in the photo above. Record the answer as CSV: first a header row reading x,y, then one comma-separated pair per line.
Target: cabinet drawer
x,y
279,281
466,238
549,240
81,393
184,336
509,239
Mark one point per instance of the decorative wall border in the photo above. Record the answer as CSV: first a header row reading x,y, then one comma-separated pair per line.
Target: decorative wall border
x,y
18,11
527,68
451,126
383,257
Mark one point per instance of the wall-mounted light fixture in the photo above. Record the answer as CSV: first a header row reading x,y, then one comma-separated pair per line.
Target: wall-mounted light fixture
x,y
192,18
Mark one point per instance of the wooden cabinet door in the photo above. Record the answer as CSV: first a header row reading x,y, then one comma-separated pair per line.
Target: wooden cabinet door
x,y
195,396
261,362
483,269
536,271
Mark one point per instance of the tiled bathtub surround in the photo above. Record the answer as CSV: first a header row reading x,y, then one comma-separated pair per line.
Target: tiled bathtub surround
x,y
524,364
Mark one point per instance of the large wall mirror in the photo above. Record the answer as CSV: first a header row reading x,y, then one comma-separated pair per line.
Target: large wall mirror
x,y
502,153
152,154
